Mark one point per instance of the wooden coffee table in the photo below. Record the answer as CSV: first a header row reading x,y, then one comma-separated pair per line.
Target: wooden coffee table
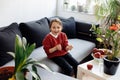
x,y
96,73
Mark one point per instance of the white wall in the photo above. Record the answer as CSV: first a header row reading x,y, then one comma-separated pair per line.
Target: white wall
x,y
78,16
25,10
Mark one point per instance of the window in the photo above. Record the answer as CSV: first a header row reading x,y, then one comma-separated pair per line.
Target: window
x,y
84,6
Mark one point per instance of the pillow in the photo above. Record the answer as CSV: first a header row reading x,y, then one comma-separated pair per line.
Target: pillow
x,y
7,40
35,31
69,26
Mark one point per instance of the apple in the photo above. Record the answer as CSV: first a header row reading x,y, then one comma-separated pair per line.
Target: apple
x,y
95,50
102,52
89,66
97,55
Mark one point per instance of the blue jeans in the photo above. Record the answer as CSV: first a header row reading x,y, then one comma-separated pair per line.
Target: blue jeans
x,y
67,63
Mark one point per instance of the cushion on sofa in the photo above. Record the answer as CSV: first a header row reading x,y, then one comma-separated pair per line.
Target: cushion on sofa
x,y
81,48
35,31
7,40
40,55
69,26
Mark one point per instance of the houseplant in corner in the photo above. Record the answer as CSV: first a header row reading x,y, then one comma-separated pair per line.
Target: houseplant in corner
x,y
111,41
23,63
108,32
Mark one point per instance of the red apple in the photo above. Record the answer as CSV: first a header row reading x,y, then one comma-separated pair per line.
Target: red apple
x,y
102,52
89,66
95,50
97,55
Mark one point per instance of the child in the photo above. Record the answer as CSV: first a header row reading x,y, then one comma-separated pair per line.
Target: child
x,y
56,47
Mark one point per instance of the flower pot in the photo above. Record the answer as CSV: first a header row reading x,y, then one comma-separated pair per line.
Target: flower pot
x,y
110,66
6,72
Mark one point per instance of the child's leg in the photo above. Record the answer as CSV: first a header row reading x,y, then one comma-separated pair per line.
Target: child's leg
x,y
72,62
65,66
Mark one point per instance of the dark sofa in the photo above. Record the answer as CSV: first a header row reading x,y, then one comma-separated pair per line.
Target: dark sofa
x,y
78,35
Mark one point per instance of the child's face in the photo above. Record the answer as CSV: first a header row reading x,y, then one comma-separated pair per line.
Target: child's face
x,y
56,28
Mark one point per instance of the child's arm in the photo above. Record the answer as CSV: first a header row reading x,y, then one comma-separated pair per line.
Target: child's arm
x,y
69,47
57,47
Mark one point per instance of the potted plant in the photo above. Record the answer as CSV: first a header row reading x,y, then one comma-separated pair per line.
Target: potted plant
x,y
111,41
22,62
108,32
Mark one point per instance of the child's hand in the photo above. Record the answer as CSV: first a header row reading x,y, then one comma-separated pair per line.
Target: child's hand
x,y
69,47
58,47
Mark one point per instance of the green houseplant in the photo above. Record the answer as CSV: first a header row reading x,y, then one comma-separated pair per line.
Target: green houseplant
x,y
22,52
107,11
108,32
22,60
109,39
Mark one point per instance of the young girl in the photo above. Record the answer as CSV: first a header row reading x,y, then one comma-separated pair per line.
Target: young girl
x,y
56,47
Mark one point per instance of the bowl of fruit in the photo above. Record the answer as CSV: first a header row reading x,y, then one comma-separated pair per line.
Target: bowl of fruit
x,y
99,54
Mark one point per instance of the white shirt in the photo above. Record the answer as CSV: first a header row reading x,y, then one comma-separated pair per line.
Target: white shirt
x,y
54,35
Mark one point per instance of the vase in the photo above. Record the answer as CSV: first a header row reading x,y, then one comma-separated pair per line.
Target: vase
x,y
110,66
80,8
6,72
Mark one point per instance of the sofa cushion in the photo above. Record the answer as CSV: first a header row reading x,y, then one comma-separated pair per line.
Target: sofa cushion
x,y
7,40
81,48
69,26
35,31
40,55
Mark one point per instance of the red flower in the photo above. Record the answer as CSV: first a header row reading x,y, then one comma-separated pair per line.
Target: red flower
x,y
113,27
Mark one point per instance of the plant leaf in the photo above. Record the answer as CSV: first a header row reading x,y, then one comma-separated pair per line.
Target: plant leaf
x,y
34,75
99,39
43,66
20,76
29,49
12,54
35,70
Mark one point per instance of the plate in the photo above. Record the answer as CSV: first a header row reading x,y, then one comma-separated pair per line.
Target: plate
x,y
101,53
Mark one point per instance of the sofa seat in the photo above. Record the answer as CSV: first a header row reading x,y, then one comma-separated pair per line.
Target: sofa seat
x,y
79,52
40,55
81,48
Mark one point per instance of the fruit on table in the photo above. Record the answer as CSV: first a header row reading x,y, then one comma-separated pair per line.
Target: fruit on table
x,y
102,52
97,55
89,66
95,50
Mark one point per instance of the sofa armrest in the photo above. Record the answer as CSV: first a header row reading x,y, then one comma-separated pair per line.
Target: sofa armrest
x,y
83,31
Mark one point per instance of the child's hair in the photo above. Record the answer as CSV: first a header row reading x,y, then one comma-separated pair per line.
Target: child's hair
x,y
55,20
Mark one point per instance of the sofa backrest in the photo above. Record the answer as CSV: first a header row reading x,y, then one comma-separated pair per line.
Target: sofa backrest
x,y
35,31
7,41
69,26
84,32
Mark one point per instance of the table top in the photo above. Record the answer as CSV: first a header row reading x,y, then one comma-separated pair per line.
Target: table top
x,y
97,71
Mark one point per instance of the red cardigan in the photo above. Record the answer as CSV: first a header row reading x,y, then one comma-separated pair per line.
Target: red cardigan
x,y
50,41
